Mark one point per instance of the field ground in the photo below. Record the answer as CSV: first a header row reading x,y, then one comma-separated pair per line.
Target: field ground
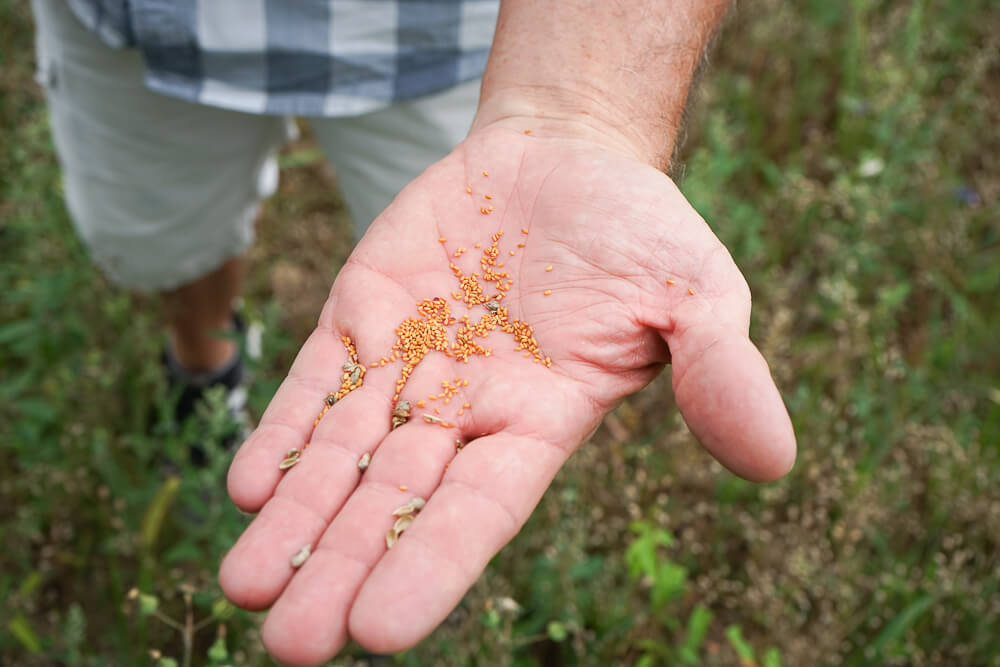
x,y
849,156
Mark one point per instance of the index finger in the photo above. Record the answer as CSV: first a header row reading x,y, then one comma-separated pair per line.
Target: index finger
x,y
318,370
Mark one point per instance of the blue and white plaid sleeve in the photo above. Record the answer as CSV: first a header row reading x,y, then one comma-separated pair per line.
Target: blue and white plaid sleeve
x,y
302,57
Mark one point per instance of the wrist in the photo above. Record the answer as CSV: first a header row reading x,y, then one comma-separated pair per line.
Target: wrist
x,y
616,73
557,112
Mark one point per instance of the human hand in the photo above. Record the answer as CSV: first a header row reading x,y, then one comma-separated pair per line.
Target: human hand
x,y
637,279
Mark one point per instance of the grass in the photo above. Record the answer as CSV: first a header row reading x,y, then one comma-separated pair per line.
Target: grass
x,y
848,156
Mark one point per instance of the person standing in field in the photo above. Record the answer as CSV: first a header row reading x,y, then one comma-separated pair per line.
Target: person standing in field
x,y
510,164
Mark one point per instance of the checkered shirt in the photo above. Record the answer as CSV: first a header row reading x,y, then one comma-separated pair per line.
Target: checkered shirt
x,y
301,57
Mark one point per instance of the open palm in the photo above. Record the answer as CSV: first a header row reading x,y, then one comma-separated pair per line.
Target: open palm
x,y
616,274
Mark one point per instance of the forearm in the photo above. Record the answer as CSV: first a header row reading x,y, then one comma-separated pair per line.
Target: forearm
x,y
613,72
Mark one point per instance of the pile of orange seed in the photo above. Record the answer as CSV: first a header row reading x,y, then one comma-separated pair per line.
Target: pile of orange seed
x,y
416,336
429,330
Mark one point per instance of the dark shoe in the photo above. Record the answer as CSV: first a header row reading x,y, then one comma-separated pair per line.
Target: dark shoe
x,y
192,393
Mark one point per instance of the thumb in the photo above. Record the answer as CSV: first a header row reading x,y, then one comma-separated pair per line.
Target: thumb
x,y
726,394
722,383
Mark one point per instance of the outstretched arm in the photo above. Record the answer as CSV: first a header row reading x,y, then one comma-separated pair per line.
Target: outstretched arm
x,y
513,294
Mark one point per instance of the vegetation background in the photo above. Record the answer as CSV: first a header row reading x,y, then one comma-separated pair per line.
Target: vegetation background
x,y
849,156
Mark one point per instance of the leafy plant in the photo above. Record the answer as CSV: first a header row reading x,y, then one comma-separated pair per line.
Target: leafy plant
x,y
844,152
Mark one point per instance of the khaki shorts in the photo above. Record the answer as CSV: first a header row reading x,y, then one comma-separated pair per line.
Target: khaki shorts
x,y
163,191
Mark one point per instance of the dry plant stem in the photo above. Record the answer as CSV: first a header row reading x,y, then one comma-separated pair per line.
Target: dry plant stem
x,y
188,629
166,620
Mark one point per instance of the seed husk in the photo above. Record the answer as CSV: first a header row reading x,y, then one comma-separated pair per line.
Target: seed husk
x,y
431,419
402,523
492,305
353,371
400,414
406,514
299,558
292,456
412,507
363,462
331,398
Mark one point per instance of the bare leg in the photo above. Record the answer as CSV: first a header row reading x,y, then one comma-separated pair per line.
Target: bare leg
x,y
196,310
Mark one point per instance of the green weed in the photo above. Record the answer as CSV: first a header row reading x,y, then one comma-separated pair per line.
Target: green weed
x,y
846,153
